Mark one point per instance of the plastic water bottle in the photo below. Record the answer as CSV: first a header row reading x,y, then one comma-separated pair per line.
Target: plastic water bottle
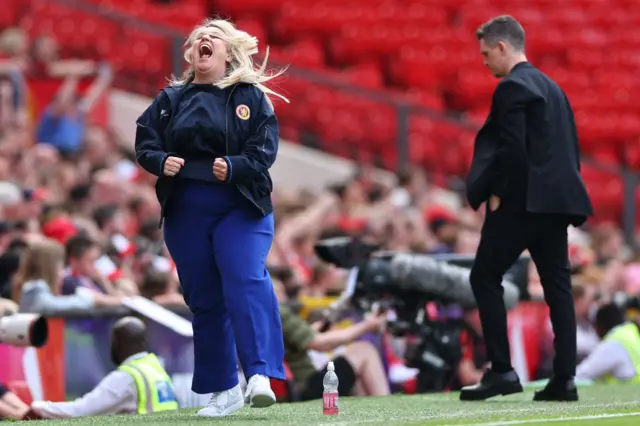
x,y
330,394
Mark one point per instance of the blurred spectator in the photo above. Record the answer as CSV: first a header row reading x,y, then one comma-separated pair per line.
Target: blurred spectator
x,y
443,224
44,54
162,288
82,253
324,279
38,282
62,124
359,367
14,44
411,184
631,276
474,356
608,243
467,240
586,297
617,358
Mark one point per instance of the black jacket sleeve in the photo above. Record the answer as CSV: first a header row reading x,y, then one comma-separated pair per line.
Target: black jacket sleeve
x,y
150,153
511,99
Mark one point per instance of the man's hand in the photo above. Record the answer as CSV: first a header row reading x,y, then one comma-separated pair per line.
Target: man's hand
x,y
318,326
172,166
494,203
220,169
32,415
376,321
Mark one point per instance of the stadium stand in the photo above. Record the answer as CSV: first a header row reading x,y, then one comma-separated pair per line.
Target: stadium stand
x,y
420,53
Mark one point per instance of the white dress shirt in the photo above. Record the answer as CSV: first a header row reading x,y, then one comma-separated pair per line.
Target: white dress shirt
x,y
607,358
115,394
587,340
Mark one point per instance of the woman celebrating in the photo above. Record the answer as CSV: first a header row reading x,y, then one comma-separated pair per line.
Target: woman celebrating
x,y
211,138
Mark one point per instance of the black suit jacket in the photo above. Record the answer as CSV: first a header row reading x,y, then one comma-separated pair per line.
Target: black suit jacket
x,y
527,151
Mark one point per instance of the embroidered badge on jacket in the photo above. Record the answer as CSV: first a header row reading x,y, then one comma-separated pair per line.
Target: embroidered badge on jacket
x,y
243,112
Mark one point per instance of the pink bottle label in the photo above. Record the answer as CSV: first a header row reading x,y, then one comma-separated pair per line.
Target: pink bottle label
x,y
330,403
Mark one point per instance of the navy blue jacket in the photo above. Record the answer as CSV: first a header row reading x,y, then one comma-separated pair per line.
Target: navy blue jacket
x,y
251,139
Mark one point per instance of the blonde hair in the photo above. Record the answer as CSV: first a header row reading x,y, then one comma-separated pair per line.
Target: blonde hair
x,y
241,46
41,260
11,40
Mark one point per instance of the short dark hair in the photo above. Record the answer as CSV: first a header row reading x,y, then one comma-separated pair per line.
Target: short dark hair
x,y
502,28
609,316
102,215
154,283
77,246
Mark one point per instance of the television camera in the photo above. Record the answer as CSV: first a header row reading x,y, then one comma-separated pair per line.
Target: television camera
x,y
24,330
404,284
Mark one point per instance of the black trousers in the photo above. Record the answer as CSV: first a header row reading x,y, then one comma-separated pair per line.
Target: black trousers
x,y
505,235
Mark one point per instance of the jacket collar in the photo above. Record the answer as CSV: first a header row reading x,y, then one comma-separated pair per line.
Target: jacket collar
x,y
524,64
135,356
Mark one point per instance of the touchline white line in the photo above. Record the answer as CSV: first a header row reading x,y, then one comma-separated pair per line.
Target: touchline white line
x,y
532,410
556,419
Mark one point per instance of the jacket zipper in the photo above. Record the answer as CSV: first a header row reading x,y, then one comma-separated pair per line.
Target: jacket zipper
x,y
226,143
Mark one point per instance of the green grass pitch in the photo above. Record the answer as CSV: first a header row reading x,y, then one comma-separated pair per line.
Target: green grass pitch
x,y
612,405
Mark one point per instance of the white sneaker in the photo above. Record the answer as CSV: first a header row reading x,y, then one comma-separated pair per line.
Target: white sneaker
x,y
223,403
259,392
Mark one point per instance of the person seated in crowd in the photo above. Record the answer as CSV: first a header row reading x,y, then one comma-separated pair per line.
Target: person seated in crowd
x,y
617,358
359,368
37,284
81,254
139,384
474,356
11,407
162,288
585,297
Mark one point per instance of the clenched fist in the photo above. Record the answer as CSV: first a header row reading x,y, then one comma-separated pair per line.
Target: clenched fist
x,y
220,169
172,166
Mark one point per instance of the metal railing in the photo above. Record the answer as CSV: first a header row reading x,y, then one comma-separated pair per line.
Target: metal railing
x,y
404,112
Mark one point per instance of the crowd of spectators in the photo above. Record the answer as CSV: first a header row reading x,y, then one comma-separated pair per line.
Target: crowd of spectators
x,y
77,213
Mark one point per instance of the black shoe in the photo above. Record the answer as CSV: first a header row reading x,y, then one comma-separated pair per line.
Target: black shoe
x,y
558,390
492,384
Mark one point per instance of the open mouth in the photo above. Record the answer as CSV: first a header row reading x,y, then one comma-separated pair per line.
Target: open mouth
x,y
205,50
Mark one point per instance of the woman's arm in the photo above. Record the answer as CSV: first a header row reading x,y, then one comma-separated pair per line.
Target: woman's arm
x,y
260,150
37,298
97,89
150,153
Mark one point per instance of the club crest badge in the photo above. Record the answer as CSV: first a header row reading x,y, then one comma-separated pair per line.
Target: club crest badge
x,y
243,112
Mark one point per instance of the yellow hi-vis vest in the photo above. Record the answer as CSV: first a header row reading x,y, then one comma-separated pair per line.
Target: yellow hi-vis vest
x,y
628,336
155,389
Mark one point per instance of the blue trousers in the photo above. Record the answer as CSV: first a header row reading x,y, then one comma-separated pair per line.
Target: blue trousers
x,y
219,243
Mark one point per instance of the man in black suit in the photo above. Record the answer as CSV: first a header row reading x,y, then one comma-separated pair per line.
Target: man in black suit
x,y
526,167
